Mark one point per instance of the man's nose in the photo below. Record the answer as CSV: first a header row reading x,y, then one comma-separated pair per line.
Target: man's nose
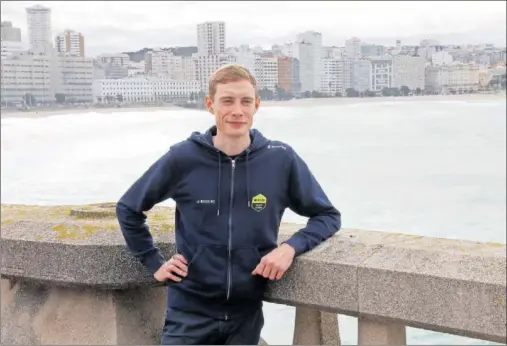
x,y
237,110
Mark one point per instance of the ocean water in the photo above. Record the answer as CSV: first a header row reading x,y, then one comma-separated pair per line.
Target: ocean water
x,y
434,167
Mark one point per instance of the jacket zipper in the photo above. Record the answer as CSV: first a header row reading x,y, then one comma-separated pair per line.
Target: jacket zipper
x,y
229,269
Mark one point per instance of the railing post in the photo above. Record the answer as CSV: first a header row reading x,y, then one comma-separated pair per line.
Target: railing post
x,y
44,314
314,327
380,333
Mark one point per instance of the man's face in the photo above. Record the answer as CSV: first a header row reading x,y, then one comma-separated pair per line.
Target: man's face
x,y
234,106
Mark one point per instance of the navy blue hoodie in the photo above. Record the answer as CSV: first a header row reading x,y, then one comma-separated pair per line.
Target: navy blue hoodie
x,y
228,212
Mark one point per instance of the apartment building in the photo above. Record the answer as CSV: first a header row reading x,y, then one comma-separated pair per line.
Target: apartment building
x,y
27,74
70,43
362,75
331,79
142,89
441,58
11,39
458,77
310,53
409,71
39,28
164,64
381,73
353,48
267,73
206,65
288,75
211,38
74,78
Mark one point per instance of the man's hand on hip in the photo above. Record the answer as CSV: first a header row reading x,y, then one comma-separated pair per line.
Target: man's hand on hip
x,y
276,263
176,265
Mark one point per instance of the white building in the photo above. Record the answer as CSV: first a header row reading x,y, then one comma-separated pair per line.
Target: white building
x,y
206,65
74,78
427,48
10,33
347,73
10,39
409,71
70,43
39,28
47,77
361,74
457,77
114,59
310,52
333,52
331,80
135,68
267,73
211,38
142,89
27,74
245,56
291,50
353,48
381,73
441,58
11,47
165,64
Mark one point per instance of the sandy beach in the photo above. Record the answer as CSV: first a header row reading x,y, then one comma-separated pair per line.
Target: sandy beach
x,y
9,113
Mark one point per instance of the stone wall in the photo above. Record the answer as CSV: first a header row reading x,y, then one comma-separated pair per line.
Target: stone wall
x,y
68,279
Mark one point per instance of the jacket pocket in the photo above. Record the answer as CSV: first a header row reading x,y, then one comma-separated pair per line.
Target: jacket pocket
x,y
206,274
245,285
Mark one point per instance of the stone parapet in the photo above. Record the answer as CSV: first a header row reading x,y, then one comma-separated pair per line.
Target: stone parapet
x,y
388,280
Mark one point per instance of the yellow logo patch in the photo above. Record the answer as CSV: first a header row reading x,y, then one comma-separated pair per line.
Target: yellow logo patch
x,y
259,202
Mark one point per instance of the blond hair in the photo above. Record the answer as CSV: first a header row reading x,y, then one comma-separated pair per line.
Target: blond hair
x,y
230,73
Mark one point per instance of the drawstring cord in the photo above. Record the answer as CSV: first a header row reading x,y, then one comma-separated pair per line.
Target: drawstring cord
x,y
219,180
247,179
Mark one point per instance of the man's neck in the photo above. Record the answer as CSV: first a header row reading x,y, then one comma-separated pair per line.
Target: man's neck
x,y
231,146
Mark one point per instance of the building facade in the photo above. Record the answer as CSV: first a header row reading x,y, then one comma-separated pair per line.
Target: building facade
x,y
39,28
143,89
70,43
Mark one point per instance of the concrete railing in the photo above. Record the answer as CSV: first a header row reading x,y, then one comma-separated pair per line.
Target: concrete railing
x,y
68,279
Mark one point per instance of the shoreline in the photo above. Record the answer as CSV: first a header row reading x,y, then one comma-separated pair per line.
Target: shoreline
x,y
311,102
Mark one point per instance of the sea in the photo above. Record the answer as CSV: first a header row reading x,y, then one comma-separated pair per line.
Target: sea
x,y
433,166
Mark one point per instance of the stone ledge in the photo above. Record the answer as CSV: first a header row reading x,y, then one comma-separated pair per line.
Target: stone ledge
x,y
444,285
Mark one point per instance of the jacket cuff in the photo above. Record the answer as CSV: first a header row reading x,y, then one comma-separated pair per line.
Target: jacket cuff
x,y
153,261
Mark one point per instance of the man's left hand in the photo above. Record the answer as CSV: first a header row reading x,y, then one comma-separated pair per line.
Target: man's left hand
x,y
276,263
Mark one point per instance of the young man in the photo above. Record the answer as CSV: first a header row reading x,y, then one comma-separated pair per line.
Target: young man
x,y
231,186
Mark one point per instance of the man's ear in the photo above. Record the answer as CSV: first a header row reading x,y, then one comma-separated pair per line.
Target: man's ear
x,y
209,104
257,103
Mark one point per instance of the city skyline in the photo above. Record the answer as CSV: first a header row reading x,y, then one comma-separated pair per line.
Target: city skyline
x,y
479,22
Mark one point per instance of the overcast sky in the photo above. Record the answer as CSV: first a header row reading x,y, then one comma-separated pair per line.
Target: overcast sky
x,y
117,26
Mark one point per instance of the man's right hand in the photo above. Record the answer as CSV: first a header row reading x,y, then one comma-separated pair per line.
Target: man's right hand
x,y
176,265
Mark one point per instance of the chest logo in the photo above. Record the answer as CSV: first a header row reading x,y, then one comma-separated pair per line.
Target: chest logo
x,y
259,202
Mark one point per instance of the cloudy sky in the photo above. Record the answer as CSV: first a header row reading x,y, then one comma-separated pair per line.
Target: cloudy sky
x,y
117,26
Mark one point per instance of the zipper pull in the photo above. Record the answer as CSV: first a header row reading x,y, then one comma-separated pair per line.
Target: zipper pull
x,y
233,164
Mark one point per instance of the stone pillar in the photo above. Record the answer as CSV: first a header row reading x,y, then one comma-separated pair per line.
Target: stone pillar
x,y
40,314
314,327
380,333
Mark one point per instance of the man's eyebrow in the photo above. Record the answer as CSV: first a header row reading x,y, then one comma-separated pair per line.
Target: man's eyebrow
x,y
249,98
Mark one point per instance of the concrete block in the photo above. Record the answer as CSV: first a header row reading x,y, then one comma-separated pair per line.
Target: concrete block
x,y
39,314
444,285
380,333
314,327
